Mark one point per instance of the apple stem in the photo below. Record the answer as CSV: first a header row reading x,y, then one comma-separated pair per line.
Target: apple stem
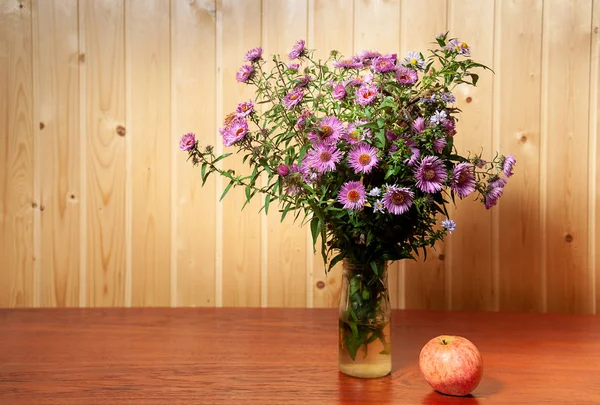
x,y
444,342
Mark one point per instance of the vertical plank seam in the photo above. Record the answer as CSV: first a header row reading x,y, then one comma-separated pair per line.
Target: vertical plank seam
x,y
174,171
310,266
83,159
219,151
264,228
495,253
593,146
37,195
543,142
128,164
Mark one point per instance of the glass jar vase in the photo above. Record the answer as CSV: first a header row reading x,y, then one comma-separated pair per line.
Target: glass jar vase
x,y
364,322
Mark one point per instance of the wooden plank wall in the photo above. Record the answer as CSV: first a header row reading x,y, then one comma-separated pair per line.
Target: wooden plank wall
x,y
98,207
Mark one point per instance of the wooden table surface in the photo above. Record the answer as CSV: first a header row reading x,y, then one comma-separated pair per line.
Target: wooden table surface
x,y
280,356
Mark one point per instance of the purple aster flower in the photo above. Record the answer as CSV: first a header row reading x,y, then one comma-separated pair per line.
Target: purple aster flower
x,y
439,144
188,141
448,97
360,80
397,200
459,47
293,66
439,117
329,131
431,174
384,64
293,98
347,64
352,195
414,59
323,158
414,157
253,55
366,94
235,132
338,92
378,206
283,170
449,225
304,81
297,50
354,135
406,75
463,179
494,192
363,158
244,74
449,126
366,56
301,121
419,125
508,165
244,109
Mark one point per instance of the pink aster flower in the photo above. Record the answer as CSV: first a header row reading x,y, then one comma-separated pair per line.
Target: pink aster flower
x,y
397,200
253,55
508,165
363,158
439,144
384,64
323,158
301,121
494,192
352,195
360,80
338,92
431,174
293,66
297,50
235,132
366,56
366,94
293,98
354,134
303,81
463,179
283,170
329,131
347,64
188,141
406,75
244,74
244,109
419,125
449,126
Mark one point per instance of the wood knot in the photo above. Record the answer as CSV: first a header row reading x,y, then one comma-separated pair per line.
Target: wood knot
x,y
121,130
320,285
595,30
42,208
441,256
42,125
82,57
568,238
523,139
469,99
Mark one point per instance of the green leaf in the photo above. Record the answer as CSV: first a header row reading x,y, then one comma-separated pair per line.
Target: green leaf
x,y
314,229
222,157
474,78
226,189
267,202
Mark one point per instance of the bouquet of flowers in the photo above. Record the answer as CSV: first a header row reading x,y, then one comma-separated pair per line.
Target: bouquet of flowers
x,y
360,147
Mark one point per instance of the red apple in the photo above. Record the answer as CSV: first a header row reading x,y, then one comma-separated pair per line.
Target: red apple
x,y
451,365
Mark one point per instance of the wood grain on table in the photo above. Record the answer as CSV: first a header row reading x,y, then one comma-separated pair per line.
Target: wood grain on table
x,y
280,356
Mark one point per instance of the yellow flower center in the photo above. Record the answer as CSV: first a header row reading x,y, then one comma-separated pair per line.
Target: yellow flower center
x,y
413,61
464,45
364,159
326,130
353,196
